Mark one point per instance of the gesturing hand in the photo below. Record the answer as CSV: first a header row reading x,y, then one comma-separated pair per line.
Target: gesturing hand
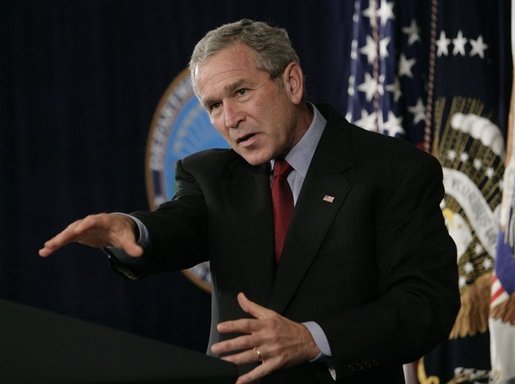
x,y
97,231
269,337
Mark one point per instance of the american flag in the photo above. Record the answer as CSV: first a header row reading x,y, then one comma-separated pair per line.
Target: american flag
x,y
502,303
437,73
389,57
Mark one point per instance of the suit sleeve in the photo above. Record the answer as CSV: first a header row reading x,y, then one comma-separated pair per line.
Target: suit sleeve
x,y
416,260
177,231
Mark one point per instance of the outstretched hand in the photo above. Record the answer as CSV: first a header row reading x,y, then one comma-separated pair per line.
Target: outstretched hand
x,y
269,338
97,231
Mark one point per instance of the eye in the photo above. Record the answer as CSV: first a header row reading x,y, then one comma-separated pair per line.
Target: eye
x,y
214,106
241,91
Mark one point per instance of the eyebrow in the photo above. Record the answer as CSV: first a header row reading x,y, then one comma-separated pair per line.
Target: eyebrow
x,y
230,88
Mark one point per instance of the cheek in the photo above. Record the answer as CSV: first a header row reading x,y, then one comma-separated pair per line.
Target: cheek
x,y
221,129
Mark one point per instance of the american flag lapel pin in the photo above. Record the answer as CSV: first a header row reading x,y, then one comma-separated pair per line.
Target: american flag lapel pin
x,y
328,199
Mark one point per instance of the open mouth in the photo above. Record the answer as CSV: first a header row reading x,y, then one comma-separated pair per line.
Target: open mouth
x,y
245,138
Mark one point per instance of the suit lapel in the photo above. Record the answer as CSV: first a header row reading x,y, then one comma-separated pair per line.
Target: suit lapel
x,y
246,191
324,190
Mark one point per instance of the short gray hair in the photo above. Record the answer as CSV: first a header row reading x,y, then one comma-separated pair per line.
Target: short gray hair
x,y
272,45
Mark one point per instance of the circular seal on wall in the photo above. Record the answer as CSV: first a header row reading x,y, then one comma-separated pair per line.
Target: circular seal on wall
x,y
180,126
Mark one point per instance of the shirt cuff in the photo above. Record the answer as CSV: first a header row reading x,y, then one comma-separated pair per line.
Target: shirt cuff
x,y
320,339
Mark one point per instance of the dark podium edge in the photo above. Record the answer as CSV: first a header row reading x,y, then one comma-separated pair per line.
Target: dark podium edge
x,y
39,346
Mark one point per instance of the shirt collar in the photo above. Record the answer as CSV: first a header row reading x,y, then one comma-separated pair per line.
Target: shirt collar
x,y
301,154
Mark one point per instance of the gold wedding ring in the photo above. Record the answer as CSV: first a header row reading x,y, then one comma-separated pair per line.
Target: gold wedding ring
x,y
259,355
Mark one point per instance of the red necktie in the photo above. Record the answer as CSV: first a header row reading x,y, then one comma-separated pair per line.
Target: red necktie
x,y
282,200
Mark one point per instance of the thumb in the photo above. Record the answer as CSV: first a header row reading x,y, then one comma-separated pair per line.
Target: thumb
x,y
253,309
122,234
126,241
133,249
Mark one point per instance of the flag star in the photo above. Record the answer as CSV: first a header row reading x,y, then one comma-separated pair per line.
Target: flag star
x,y
369,86
418,111
487,263
371,12
489,172
369,49
459,44
462,281
385,12
393,126
464,156
478,47
367,121
413,32
383,47
405,66
443,44
477,164
355,16
350,89
395,88
451,155
354,49
380,85
468,267
478,249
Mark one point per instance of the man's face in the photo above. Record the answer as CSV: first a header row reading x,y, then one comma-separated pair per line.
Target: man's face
x,y
255,114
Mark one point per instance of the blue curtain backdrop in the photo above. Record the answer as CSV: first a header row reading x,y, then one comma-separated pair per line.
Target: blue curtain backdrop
x,y
79,82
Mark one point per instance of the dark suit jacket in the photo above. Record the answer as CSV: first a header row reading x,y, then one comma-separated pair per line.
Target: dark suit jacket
x,y
375,267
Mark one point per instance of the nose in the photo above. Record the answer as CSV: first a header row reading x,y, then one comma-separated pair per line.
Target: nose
x,y
233,114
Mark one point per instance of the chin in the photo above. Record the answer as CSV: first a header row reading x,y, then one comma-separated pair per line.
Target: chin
x,y
255,159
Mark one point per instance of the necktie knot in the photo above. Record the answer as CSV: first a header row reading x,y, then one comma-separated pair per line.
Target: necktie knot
x,y
281,169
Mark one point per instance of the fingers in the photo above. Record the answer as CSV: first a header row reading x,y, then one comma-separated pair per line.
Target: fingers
x,y
97,231
68,235
241,348
245,357
247,325
255,374
267,363
268,337
254,355
240,343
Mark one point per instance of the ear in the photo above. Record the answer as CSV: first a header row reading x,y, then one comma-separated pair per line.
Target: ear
x,y
293,79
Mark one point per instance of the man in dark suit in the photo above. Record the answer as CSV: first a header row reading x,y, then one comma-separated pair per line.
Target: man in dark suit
x,y
365,278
